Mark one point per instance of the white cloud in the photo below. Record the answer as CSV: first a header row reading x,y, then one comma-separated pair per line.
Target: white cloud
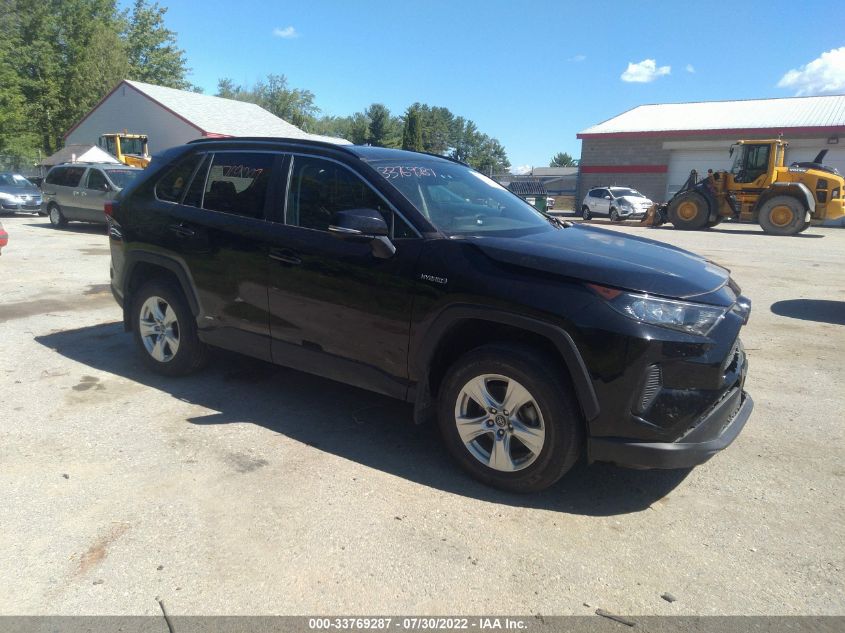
x,y
520,170
286,33
644,72
690,68
825,74
577,58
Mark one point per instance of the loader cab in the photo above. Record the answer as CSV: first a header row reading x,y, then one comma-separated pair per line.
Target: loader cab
x,y
751,161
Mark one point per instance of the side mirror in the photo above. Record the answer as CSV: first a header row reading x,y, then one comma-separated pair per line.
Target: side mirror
x,y
608,198
106,187
363,225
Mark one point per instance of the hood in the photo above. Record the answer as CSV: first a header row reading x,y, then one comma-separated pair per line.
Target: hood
x,y
636,201
609,258
20,191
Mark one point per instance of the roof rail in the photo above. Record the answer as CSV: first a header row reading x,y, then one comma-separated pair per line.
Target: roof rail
x,y
269,139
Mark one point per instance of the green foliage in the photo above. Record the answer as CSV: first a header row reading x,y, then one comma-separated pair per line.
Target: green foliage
x,y
562,159
274,95
151,47
58,58
412,136
383,129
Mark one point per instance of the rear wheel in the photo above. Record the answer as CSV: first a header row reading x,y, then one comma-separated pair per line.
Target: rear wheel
x,y
782,215
165,329
57,218
508,417
585,212
689,211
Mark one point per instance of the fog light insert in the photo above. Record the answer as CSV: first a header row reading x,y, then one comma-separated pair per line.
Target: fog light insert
x,y
653,384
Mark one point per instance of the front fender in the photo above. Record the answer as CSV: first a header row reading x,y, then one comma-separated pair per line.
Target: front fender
x,y
424,346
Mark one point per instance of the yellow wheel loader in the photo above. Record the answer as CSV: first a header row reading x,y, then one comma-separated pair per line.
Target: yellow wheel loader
x,y
129,149
758,188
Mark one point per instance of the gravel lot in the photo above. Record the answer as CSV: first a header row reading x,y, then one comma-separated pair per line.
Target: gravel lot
x,y
251,489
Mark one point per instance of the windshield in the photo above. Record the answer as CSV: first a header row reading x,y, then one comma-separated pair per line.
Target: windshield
x,y
14,180
122,177
631,193
459,200
132,146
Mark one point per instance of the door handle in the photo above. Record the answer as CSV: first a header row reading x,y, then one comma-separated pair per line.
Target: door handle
x,y
285,255
181,230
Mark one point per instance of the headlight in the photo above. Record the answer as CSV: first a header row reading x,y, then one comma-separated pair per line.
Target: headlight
x,y
694,318
8,197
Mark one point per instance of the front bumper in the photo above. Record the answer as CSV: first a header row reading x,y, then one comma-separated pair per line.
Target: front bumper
x,y
30,207
632,213
715,432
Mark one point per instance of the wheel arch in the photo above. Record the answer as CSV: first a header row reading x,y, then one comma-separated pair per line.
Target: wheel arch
x,y
141,266
797,190
462,328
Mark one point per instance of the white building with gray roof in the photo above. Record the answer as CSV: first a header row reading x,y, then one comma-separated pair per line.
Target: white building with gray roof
x,y
172,117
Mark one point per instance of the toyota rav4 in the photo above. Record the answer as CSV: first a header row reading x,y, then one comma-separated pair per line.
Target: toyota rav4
x,y
530,340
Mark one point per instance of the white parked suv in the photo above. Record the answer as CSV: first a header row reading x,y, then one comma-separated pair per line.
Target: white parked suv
x,y
617,203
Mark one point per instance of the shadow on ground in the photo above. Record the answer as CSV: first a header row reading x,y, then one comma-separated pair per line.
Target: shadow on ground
x,y
73,227
820,310
372,430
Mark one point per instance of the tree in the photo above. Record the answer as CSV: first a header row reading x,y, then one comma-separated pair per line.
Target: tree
x,y
154,56
562,159
412,137
383,128
273,94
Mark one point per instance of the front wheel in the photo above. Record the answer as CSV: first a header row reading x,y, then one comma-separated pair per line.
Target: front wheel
x,y
783,215
165,330
689,211
614,216
585,212
509,418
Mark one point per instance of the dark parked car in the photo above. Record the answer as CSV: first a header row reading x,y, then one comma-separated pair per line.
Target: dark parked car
x,y
18,194
530,340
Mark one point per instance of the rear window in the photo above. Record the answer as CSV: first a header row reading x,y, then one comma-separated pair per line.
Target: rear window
x,y
122,177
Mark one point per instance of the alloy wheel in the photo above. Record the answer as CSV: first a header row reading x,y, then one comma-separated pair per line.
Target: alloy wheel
x,y
159,329
499,422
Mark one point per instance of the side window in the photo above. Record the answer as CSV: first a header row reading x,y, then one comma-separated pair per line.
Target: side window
x,y
72,176
97,180
194,196
237,183
171,187
320,188
55,176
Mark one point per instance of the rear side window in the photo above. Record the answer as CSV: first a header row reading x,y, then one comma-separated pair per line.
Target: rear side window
x,y
55,176
66,176
171,187
237,183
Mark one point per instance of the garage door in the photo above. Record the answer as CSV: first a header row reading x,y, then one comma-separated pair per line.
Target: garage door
x,y
681,162
835,156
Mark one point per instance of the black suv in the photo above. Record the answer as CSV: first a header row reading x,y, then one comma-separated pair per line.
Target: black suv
x,y
532,341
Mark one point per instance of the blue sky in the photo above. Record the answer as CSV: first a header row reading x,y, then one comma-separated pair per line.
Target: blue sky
x,y
532,74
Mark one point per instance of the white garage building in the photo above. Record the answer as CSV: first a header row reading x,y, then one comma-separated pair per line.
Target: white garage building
x,y
172,117
653,147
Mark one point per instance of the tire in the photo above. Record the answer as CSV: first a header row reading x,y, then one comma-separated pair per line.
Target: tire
x,y
782,215
585,212
614,216
57,218
549,418
710,224
689,211
167,338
